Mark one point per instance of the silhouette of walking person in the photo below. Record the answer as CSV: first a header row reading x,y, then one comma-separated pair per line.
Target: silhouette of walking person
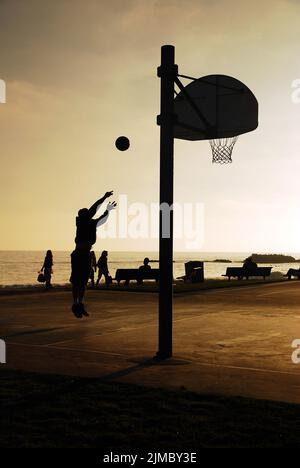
x,y
103,268
47,269
86,236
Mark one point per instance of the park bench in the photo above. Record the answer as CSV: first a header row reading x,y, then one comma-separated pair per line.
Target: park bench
x,y
240,272
127,274
293,272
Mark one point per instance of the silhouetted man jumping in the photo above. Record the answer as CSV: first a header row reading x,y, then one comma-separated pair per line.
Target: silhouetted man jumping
x,y
86,236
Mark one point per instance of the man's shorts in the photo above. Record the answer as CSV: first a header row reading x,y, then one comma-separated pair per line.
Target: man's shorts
x,y
81,267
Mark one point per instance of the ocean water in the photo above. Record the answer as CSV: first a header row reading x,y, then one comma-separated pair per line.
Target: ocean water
x,y
20,268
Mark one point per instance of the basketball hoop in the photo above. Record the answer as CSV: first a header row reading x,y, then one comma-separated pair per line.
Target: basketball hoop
x,y
222,149
217,108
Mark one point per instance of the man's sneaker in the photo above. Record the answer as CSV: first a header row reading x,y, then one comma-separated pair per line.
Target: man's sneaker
x,y
82,310
76,310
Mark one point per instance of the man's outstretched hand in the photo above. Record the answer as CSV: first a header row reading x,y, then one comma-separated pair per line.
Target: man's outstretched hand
x,y
108,194
111,206
93,209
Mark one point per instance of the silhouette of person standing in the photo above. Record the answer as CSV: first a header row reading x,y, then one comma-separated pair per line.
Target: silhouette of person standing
x,y
103,267
47,269
86,236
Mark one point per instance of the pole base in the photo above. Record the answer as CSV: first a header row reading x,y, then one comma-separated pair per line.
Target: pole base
x,y
160,356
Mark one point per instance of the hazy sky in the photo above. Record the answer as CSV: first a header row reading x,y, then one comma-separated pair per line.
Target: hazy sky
x,y
79,73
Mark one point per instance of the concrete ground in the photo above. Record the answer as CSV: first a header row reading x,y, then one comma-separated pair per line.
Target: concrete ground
x,y
234,341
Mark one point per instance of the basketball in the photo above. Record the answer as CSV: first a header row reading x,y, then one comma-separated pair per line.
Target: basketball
x,y
122,143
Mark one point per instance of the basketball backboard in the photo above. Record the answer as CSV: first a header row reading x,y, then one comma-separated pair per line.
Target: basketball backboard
x,y
215,106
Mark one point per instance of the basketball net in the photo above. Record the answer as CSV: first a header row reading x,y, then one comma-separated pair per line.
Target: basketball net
x,y
222,149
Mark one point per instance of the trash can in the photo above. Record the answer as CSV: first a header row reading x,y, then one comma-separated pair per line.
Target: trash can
x,y
194,271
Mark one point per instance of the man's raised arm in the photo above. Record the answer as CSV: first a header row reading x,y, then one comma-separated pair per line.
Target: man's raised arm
x,y
103,218
93,209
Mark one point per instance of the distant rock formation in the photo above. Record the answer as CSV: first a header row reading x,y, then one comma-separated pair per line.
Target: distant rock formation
x,y
272,258
222,260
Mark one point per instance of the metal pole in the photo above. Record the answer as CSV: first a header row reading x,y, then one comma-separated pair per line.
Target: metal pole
x,y
167,73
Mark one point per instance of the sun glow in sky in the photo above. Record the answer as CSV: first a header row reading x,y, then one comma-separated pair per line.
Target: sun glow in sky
x,y
79,74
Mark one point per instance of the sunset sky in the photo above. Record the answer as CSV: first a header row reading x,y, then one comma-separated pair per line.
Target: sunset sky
x,y
81,73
